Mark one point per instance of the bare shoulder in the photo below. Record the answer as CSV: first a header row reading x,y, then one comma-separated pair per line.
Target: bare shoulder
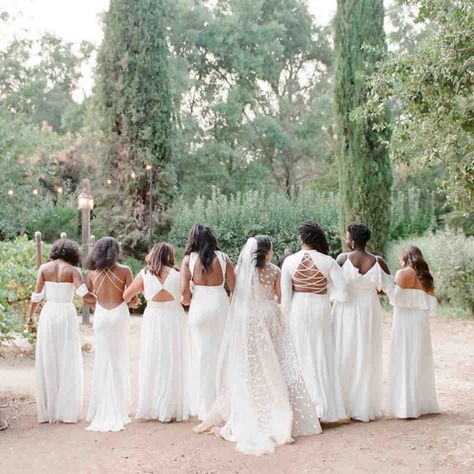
x,y
124,270
341,259
405,277
185,260
382,264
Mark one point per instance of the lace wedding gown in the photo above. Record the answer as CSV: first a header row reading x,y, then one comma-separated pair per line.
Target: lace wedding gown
x,y
59,371
261,398
358,336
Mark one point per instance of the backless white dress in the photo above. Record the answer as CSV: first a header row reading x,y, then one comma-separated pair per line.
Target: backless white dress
x,y
163,393
358,336
310,324
59,370
207,317
412,391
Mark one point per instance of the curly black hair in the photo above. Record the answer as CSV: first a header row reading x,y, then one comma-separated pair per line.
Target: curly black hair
x,y
105,254
264,245
67,250
312,234
203,241
360,233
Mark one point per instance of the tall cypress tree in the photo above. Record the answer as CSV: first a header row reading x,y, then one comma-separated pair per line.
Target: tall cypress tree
x,y
365,175
135,99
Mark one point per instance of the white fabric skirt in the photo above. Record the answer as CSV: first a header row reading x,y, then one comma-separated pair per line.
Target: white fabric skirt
x,y
312,333
207,317
110,399
59,370
358,349
411,379
162,390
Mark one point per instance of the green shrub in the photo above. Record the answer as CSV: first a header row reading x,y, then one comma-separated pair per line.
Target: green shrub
x,y
450,256
240,216
53,220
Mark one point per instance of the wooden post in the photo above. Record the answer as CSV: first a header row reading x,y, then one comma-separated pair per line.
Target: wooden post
x,y
63,235
39,256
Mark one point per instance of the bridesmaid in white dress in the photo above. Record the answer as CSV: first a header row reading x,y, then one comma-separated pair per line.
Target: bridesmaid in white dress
x,y
358,326
262,399
412,391
110,398
208,269
59,371
310,280
162,390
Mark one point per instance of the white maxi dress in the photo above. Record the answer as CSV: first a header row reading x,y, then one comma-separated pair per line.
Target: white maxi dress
x,y
207,317
310,324
358,336
59,369
262,400
109,404
412,390
162,369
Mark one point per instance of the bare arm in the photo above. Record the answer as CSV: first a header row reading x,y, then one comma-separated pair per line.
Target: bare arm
x,y
382,264
230,275
38,289
133,288
341,259
186,281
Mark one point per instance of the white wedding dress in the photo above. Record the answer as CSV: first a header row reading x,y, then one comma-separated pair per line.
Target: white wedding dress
x,y
310,324
109,404
207,317
358,339
412,391
262,400
163,393
59,370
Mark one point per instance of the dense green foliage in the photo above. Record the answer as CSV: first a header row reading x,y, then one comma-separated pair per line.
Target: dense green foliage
x,y
430,84
240,216
365,174
450,256
135,101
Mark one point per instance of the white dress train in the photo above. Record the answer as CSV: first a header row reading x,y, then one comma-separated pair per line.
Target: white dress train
x,y
358,337
59,370
207,317
163,393
110,398
262,400
412,391
310,324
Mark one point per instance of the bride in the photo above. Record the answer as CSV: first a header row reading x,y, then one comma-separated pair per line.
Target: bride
x,y
261,397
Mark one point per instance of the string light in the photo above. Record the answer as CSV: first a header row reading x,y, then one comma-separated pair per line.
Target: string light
x,y
35,192
133,175
148,167
60,190
109,181
10,192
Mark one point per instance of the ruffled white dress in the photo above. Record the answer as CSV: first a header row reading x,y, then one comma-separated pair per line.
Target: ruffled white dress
x,y
262,399
412,391
163,393
358,336
310,324
207,318
59,369
109,404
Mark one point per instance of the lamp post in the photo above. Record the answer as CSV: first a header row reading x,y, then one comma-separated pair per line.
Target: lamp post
x,y
85,203
149,168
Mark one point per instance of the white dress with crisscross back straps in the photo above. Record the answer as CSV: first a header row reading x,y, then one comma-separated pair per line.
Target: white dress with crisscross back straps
x,y
59,371
109,404
358,339
163,393
207,317
309,320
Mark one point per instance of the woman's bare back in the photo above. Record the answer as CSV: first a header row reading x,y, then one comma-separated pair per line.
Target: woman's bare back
x,y
109,284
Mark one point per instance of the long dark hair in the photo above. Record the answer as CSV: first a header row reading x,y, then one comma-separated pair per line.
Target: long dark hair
x,y
203,241
67,250
105,254
413,257
312,234
161,255
264,245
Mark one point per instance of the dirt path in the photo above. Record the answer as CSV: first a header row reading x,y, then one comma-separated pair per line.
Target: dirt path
x,y
442,443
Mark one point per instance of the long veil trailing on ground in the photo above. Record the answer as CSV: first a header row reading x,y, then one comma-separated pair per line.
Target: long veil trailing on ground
x,y
252,405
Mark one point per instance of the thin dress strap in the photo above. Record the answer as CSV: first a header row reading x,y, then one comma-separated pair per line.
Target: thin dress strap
x,y
107,273
223,263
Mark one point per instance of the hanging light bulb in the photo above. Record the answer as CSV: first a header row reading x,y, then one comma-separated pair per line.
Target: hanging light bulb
x,y
35,192
133,175
109,181
148,167
60,190
10,192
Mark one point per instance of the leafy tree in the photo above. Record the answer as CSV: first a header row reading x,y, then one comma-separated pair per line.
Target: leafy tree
x,y
134,95
365,175
432,87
